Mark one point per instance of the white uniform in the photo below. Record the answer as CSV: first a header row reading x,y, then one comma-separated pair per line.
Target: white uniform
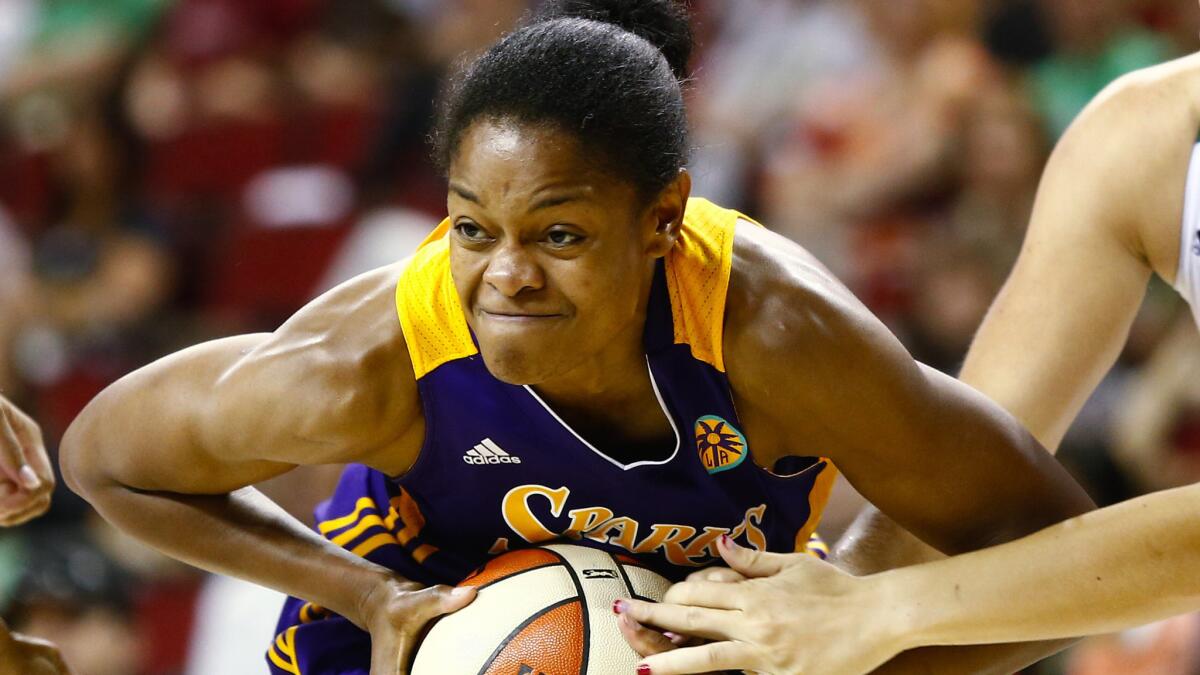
x,y
1187,277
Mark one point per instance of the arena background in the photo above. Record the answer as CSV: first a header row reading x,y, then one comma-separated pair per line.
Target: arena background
x,y
176,171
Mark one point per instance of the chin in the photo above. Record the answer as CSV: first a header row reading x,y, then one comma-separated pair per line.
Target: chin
x,y
517,366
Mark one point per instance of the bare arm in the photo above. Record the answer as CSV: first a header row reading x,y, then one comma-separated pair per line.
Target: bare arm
x,y
827,376
166,452
1104,571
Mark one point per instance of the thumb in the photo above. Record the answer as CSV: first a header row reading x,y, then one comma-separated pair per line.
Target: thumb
x,y
454,599
748,562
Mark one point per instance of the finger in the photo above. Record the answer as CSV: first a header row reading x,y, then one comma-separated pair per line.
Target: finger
x,y
722,575
643,640
715,656
712,624
46,655
704,594
450,599
26,513
12,452
751,563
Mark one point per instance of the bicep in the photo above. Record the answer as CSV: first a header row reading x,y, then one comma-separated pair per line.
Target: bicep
x,y
170,427
935,455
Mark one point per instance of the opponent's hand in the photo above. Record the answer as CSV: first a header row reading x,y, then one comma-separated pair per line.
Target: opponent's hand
x,y
792,615
21,655
26,479
396,615
647,641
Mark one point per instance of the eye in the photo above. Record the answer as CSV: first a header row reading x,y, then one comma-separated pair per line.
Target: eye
x,y
562,238
471,232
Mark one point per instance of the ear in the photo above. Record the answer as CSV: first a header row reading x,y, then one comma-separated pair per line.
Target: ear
x,y
666,214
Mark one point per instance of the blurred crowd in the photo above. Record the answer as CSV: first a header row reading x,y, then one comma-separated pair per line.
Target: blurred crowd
x,y
177,170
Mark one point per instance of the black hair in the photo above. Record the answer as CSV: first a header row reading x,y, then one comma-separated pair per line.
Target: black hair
x,y
609,72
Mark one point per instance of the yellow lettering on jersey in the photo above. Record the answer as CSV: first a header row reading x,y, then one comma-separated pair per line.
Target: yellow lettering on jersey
x,y
626,532
586,520
749,528
679,543
669,538
519,515
704,547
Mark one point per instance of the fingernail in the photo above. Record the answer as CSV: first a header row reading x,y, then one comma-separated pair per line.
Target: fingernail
x,y
643,669
726,541
29,479
620,606
460,591
671,636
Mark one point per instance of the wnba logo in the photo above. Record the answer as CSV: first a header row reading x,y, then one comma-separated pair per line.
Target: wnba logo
x,y
487,452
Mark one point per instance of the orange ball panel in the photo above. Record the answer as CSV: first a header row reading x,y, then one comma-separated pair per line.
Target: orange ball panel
x,y
510,564
550,644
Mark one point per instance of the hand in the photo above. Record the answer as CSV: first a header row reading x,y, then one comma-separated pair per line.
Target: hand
x,y
647,641
396,614
792,615
26,479
21,655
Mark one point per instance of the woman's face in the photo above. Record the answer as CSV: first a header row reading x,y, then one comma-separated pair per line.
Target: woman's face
x,y
551,254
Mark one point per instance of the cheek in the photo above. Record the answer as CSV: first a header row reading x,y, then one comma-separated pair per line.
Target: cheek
x,y
605,294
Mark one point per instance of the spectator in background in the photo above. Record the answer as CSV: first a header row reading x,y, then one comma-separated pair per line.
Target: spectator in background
x,y
873,145
1096,41
790,46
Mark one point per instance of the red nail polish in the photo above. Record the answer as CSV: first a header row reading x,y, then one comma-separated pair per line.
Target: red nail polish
x,y
726,541
619,606
643,669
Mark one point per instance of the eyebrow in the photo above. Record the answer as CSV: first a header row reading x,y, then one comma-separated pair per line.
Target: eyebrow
x,y
556,201
548,202
465,193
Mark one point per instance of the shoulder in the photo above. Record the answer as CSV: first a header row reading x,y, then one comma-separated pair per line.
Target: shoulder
x,y
790,324
1127,156
337,371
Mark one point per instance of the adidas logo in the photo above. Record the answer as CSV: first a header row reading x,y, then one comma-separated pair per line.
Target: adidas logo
x,y
487,452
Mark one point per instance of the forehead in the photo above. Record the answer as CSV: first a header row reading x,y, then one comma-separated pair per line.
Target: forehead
x,y
504,158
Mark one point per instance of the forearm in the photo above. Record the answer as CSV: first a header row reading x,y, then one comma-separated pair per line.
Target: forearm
x,y
1001,659
244,535
1107,570
874,543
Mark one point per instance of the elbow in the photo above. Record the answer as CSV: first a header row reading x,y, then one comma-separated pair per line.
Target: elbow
x,y
75,452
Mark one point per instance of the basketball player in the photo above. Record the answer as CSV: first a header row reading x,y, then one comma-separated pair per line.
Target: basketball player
x,y
25,487
1119,201
579,350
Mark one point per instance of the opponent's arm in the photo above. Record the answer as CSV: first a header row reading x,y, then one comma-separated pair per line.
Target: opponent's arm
x,y
166,453
1107,212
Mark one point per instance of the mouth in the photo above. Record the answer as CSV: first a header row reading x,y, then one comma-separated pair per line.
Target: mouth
x,y
517,316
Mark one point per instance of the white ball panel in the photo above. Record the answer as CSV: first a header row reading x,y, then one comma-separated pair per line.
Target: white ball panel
x,y
647,584
463,641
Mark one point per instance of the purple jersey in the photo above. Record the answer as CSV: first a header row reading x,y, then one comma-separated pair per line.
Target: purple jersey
x,y
500,470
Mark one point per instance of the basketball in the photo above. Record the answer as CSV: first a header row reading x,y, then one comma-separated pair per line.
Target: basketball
x,y
542,610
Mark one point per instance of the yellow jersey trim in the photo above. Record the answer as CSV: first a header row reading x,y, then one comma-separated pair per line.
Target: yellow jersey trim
x,y
430,314
698,270
818,497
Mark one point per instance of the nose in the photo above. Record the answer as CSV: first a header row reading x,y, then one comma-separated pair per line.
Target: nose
x,y
512,270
